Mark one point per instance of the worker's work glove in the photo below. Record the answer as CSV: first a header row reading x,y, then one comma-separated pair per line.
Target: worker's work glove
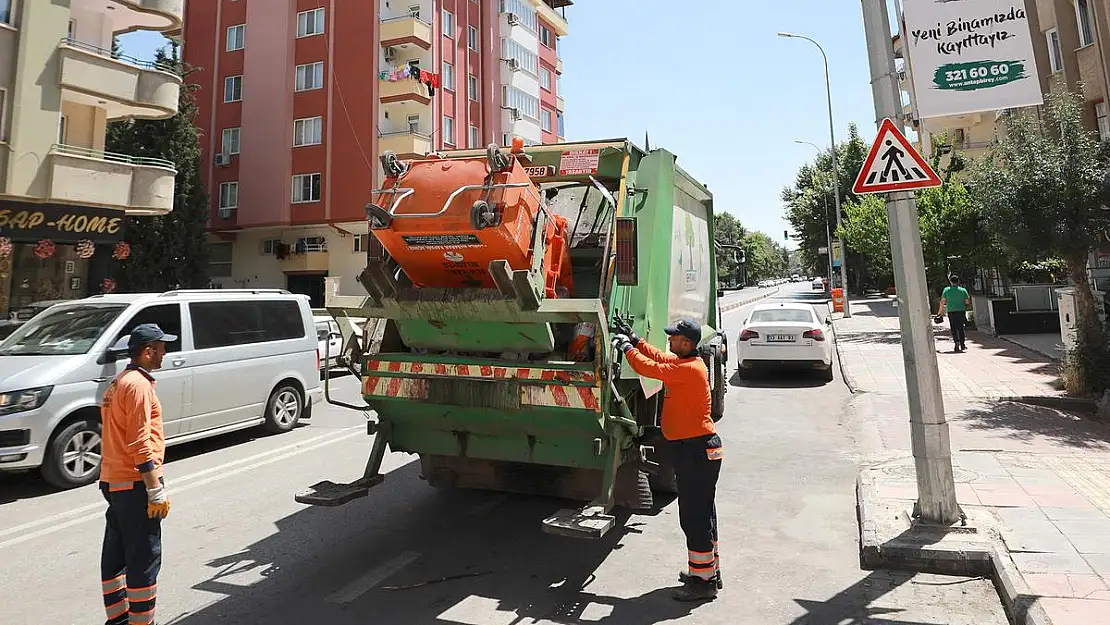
x,y
622,327
623,343
157,503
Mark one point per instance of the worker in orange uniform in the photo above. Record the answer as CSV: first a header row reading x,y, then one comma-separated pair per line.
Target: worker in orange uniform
x,y
131,481
694,444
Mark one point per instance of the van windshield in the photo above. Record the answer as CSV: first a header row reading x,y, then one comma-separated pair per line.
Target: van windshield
x,y
65,331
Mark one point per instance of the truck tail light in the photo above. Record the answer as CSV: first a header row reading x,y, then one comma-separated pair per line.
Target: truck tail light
x,y
816,335
375,251
748,335
627,252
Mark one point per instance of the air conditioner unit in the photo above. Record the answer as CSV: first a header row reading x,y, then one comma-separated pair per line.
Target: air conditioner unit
x,y
514,64
223,160
390,53
514,113
513,19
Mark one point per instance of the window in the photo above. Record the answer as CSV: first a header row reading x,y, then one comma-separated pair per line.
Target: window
x,y
559,122
472,87
306,188
512,97
545,78
506,139
1083,17
545,37
219,261
545,120
6,11
233,89
362,243
242,322
522,9
308,131
235,36
472,38
448,76
229,195
229,141
473,139
1102,115
448,130
310,76
414,123
1055,56
167,316
270,246
71,31
310,22
525,58
448,23
784,315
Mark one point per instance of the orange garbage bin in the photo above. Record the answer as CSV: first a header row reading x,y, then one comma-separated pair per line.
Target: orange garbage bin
x,y
838,300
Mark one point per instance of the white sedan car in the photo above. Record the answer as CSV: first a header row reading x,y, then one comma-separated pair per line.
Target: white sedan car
x,y
785,335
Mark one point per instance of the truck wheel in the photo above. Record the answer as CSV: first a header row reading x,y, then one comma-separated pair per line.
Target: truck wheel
x,y
718,410
663,480
632,488
74,455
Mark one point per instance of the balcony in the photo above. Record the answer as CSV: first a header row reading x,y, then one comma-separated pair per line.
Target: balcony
x,y
122,16
124,86
406,144
560,105
404,31
310,255
551,16
405,91
139,186
558,65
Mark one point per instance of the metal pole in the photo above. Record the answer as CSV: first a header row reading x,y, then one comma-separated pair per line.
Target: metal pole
x,y
836,174
929,435
828,236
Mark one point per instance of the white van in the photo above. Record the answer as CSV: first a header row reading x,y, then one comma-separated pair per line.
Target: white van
x,y
242,358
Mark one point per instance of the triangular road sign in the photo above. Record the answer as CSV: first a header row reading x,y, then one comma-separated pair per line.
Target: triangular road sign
x,y
894,165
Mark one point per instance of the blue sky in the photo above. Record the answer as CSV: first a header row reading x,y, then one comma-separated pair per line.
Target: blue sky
x,y
710,81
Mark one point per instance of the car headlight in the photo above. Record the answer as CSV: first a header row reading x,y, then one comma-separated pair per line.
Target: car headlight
x,y
21,401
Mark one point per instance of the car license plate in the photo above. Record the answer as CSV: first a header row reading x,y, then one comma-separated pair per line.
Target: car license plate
x,y
781,338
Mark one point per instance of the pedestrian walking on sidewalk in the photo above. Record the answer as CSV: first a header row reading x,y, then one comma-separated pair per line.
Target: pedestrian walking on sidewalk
x,y
955,300
131,481
695,447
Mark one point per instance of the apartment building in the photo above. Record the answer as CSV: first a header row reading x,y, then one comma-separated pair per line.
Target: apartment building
x,y
298,98
62,197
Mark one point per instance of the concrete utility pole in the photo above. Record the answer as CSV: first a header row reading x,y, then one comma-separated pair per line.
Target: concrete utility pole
x,y
932,448
836,173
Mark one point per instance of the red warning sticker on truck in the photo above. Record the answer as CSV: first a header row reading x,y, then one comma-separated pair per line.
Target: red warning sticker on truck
x,y
579,162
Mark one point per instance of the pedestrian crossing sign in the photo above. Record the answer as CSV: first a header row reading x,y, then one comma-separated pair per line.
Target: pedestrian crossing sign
x,y
894,165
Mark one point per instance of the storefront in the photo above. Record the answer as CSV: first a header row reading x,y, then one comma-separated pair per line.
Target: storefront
x,y
57,252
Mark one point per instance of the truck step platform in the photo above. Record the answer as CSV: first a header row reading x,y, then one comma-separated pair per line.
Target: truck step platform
x,y
330,494
589,523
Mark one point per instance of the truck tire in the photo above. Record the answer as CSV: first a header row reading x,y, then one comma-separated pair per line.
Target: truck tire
x,y
718,373
663,479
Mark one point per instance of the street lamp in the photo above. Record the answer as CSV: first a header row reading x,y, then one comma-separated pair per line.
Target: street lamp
x,y
828,236
836,171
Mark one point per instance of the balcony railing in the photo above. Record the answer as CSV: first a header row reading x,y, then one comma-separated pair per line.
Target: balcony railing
x,y
161,66
406,29
112,157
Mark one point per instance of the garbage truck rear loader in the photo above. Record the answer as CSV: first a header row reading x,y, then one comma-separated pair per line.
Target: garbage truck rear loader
x,y
492,280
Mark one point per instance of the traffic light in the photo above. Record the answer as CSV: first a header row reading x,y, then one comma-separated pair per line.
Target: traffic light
x,y
785,235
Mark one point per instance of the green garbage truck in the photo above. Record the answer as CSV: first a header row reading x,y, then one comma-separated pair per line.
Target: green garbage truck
x,y
507,388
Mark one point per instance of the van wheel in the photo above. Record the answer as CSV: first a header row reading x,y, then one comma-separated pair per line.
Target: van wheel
x,y
284,409
74,454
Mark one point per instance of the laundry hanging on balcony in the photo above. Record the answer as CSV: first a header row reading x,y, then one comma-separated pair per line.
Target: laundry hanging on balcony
x,y
412,72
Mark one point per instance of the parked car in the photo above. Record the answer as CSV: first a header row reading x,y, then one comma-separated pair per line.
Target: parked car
x,y
780,336
24,314
242,358
330,342
818,284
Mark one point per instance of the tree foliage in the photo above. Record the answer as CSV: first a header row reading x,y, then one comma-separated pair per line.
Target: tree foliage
x,y
169,251
1041,193
727,230
766,259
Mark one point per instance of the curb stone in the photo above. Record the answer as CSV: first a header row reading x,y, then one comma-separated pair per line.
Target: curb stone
x,y
735,305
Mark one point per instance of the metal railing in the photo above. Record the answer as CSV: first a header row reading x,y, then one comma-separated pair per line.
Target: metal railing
x,y
161,66
112,157
386,20
408,133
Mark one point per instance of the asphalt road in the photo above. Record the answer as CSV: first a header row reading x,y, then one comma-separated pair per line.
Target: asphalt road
x,y
238,549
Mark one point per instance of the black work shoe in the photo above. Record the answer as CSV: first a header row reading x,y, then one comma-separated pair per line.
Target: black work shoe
x,y
682,577
696,589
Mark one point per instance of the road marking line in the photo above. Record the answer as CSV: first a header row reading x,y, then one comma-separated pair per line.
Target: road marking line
x,y
191,483
372,578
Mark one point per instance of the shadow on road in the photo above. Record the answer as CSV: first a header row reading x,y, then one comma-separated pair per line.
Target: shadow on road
x,y
778,379
411,554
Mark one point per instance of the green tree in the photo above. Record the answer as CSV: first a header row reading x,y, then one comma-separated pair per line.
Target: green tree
x,y
866,230
810,203
1041,193
169,251
727,230
766,259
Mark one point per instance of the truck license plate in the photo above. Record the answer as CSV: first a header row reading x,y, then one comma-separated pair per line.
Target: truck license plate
x,y
781,338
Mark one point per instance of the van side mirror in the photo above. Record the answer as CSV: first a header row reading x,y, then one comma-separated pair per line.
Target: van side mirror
x,y
115,352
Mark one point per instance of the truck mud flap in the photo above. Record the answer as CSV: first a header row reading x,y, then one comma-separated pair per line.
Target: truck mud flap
x,y
589,523
330,494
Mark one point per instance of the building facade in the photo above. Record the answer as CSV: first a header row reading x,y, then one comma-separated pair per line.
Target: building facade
x,y
62,197
298,98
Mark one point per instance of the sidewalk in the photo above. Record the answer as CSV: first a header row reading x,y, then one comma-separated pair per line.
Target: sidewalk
x,y
1034,482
